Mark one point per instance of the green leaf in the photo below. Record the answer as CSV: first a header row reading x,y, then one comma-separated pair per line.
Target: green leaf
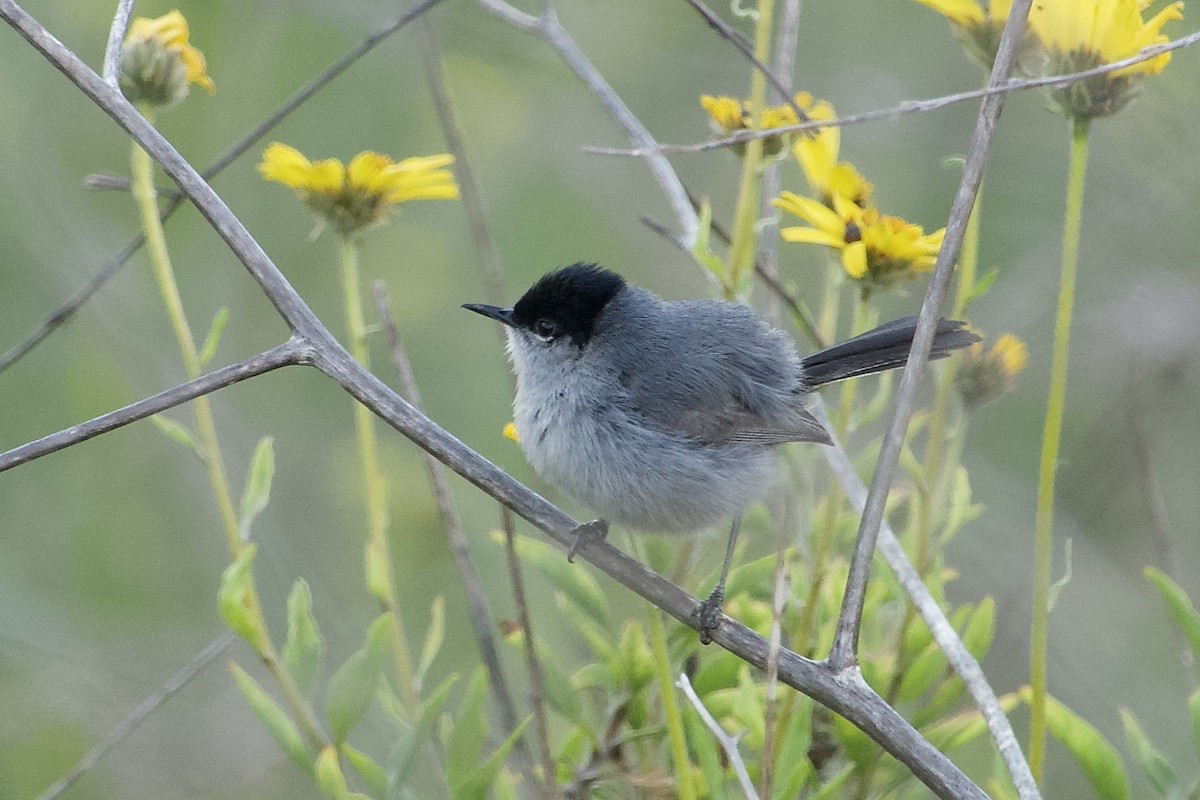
x,y
1180,606
235,599
412,739
1060,584
330,779
1096,757
176,430
1194,713
273,718
353,685
304,647
560,693
209,348
977,636
433,637
702,249
572,580
257,493
831,789
922,673
704,747
1153,763
372,774
961,510
982,284
468,733
477,784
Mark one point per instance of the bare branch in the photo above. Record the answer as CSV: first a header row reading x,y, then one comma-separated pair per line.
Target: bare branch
x,y
780,83
67,310
908,107
136,717
548,28
728,743
116,37
477,604
292,351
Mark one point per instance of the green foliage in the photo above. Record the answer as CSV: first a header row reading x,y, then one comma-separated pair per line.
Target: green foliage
x,y
1180,606
1092,752
257,492
213,339
355,682
235,599
304,647
273,718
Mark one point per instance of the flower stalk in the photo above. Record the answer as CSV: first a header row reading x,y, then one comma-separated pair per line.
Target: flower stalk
x,y
377,556
1043,555
208,446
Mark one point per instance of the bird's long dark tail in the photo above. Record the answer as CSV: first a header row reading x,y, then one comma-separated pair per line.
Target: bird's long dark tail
x,y
882,349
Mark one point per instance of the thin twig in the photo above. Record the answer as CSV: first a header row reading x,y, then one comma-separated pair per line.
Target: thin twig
x,y
845,642
844,692
116,37
144,709
477,605
905,108
67,310
292,351
537,679
961,660
472,198
780,81
548,28
728,743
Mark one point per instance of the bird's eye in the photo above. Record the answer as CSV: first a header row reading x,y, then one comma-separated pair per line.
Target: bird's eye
x,y
546,329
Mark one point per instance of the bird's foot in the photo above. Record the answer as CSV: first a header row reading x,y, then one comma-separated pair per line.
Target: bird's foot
x,y
585,534
709,614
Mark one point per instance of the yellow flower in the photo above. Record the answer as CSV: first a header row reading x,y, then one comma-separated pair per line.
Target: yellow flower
x,y
877,250
352,197
1081,34
818,150
977,24
729,115
510,432
985,374
158,63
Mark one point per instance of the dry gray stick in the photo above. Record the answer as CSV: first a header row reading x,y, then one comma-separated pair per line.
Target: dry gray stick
x,y
477,605
116,37
548,28
908,107
728,743
136,717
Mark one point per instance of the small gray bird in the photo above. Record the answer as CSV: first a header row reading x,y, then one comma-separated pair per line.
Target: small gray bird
x,y
662,415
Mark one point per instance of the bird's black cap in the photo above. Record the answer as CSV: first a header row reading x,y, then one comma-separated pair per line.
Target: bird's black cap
x,y
565,302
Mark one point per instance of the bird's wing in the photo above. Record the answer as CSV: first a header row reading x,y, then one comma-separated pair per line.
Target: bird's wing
x,y
718,377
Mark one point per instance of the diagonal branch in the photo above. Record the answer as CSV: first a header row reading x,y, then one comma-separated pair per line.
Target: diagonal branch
x,y
845,643
909,107
292,351
63,313
548,28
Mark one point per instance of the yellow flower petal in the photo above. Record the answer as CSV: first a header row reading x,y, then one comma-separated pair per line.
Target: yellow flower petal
x,y
854,259
284,164
811,236
811,211
365,169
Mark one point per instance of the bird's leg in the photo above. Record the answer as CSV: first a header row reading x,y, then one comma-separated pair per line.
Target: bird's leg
x,y
710,610
585,534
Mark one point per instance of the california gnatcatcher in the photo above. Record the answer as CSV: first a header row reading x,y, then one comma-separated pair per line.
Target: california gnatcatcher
x,y
662,415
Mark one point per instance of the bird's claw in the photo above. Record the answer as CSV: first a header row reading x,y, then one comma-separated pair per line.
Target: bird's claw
x,y
709,615
585,534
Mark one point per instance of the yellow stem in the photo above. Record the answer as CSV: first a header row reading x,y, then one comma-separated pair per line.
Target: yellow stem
x,y
378,559
674,719
745,232
1043,550
146,198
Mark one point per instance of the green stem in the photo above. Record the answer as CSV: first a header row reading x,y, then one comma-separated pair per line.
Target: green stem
x,y
1043,550
745,233
674,719
208,446
378,559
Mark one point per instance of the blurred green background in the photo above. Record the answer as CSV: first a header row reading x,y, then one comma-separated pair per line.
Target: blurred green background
x,y
110,552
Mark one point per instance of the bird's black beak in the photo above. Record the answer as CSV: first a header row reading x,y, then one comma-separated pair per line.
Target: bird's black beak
x,y
504,315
